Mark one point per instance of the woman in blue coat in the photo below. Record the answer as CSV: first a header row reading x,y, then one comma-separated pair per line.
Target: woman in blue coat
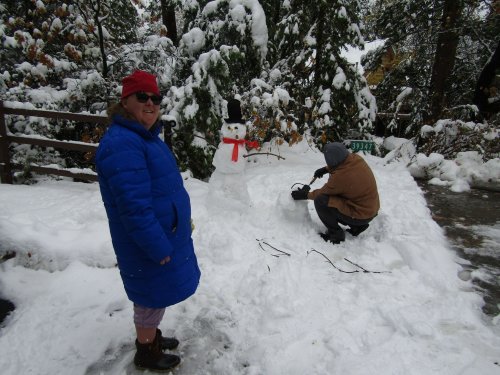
x,y
149,216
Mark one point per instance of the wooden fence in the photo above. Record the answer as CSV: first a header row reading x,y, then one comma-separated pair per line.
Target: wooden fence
x,y
7,167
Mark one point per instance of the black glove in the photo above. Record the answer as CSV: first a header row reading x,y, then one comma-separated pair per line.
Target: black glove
x,y
321,172
301,194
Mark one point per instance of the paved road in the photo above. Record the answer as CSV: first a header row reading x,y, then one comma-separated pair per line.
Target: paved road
x,y
472,224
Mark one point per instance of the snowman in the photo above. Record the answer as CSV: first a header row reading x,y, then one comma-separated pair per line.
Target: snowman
x,y
228,180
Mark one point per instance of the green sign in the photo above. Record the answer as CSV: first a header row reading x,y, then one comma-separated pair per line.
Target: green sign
x,y
362,146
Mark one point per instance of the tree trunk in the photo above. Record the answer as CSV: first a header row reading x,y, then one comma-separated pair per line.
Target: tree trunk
x,y
486,78
101,47
97,19
444,59
168,19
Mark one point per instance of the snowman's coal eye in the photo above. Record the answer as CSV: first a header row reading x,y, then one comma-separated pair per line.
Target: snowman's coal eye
x,y
235,128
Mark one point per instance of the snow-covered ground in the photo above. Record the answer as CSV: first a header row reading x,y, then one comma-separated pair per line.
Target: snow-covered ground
x,y
257,309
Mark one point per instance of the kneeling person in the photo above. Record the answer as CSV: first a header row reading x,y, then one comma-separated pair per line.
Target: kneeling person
x,y
349,197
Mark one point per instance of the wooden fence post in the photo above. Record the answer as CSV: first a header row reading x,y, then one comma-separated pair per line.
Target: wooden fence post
x,y
5,167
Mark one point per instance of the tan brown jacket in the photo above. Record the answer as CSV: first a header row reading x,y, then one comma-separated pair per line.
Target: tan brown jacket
x,y
352,189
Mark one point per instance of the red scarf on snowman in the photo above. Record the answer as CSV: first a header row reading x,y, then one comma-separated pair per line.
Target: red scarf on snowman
x,y
236,143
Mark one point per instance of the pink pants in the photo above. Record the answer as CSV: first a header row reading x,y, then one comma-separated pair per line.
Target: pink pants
x,y
146,317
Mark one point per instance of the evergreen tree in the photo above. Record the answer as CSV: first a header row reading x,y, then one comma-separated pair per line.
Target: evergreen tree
x,y
424,34
33,39
56,55
329,94
64,45
109,24
274,10
223,47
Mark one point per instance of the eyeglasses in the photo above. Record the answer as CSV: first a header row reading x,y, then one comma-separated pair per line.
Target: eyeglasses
x,y
142,97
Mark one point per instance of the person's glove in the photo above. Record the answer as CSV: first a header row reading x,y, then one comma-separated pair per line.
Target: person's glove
x,y
320,172
301,194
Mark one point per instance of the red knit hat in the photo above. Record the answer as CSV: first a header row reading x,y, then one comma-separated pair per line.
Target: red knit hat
x,y
139,81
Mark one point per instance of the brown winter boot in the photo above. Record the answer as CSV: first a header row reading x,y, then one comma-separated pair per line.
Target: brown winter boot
x,y
150,357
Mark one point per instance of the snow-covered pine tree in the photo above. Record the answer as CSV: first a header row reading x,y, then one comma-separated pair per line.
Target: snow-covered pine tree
x,y
329,94
54,57
267,99
274,10
402,24
223,47
63,46
410,30
107,25
33,39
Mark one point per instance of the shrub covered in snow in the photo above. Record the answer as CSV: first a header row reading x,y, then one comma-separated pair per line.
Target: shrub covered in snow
x,y
456,154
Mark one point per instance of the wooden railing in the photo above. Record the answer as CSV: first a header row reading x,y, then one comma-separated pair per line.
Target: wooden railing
x,y
7,167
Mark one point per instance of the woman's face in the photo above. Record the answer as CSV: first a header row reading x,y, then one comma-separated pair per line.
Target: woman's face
x,y
146,113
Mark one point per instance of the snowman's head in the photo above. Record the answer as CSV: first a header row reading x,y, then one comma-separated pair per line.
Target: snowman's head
x,y
234,131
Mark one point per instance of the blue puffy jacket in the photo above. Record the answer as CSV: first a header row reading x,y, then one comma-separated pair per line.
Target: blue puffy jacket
x,y
149,214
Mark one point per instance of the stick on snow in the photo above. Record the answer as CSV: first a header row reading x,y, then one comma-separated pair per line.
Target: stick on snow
x,y
347,260
272,247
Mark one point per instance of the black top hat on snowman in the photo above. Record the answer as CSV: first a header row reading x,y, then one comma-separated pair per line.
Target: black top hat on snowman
x,y
234,112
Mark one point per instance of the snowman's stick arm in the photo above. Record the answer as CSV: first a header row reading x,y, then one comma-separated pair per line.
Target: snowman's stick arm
x,y
264,153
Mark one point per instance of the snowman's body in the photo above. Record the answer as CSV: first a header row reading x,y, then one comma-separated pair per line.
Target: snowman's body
x,y
233,135
228,179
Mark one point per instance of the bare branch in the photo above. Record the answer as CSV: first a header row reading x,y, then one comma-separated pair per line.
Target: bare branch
x,y
264,153
274,255
272,247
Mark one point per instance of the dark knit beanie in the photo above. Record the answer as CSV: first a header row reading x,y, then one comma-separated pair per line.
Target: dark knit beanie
x,y
335,154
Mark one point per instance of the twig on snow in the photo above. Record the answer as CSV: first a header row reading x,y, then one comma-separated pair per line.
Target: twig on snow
x,y
272,247
365,270
329,261
347,260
